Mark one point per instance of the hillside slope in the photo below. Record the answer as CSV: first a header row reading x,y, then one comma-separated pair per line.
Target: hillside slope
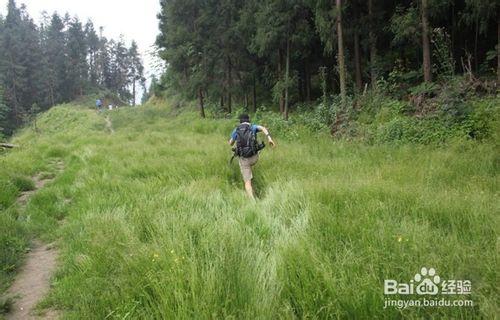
x,y
153,223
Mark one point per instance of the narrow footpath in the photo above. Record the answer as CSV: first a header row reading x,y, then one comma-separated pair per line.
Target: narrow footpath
x,y
33,280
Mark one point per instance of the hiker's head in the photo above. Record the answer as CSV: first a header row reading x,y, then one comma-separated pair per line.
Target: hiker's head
x,y
244,118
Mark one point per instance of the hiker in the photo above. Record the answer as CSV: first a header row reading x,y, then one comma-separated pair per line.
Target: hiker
x,y
98,104
247,148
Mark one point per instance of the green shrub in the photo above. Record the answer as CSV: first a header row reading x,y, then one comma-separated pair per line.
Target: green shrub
x,y
394,130
425,88
275,122
483,119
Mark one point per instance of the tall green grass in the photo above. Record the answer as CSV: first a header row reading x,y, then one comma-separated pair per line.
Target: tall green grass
x,y
153,223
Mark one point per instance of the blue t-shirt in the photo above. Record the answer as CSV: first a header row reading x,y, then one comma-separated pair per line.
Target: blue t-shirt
x,y
254,128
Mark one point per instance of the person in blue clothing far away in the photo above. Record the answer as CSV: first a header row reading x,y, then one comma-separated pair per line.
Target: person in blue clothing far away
x,y
247,148
98,104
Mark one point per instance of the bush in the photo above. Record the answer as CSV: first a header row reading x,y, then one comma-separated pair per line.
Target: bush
x,y
394,130
483,119
274,121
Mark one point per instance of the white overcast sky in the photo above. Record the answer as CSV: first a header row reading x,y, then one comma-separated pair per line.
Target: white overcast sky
x,y
135,20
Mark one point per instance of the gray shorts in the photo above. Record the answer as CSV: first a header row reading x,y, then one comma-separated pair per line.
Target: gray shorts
x,y
246,166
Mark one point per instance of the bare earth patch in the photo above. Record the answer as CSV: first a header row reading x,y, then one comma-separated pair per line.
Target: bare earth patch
x,y
33,281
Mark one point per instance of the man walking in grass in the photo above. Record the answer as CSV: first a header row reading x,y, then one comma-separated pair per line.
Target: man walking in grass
x,y
98,105
247,148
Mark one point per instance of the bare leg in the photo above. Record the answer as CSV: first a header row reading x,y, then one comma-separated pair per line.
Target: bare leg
x,y
249,189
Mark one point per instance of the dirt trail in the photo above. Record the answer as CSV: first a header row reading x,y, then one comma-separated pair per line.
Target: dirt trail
x,y
33,281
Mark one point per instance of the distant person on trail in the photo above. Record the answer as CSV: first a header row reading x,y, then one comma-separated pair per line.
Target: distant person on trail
x,y
247,148
98,104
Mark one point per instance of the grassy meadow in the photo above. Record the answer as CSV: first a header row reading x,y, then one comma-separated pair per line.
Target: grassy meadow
x,y
153,222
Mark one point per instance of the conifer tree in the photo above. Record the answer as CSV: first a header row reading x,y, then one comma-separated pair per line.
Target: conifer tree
x,y
76,63
136,70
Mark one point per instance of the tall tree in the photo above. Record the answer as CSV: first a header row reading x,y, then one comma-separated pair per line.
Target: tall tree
x,y
340,54
104,63
12,67
281,27
4,111
373,44
187,43
120,69
93,50
426,47
55,53
357,51
136,70
77,50
478,14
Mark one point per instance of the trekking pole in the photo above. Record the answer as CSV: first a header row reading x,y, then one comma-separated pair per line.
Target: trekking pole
x,y
234,155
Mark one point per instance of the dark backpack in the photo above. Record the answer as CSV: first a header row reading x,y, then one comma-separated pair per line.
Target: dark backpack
x,y
246,141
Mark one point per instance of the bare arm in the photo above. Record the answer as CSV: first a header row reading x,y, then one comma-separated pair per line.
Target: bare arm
x,y
266,132
231,142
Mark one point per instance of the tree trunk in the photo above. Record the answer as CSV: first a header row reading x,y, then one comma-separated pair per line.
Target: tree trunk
x,y
52,100
498,48
230,85
7,145
287,73
453,31
202,105
246,101
254,100
14,91
133,93
357,61
373,46
341,61
300,84
280,77
308,82
425,43
476,38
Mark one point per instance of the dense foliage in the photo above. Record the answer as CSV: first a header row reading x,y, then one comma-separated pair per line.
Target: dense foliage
x,y
288,53
57,61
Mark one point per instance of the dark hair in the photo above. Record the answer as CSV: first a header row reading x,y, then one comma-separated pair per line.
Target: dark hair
x,y
244,118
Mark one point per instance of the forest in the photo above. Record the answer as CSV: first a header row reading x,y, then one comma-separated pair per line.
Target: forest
x,y
58,61
294,55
